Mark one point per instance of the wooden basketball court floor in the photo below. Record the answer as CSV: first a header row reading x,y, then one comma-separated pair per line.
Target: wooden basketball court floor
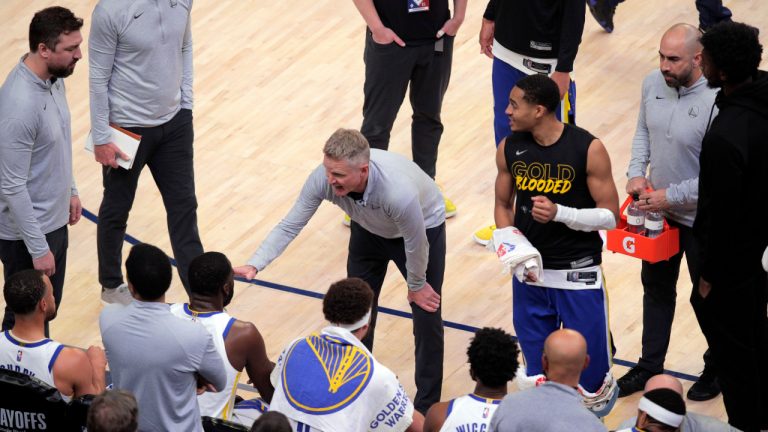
x,y
272,81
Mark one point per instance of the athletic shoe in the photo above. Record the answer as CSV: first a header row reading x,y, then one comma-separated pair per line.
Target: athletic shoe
x,y
484,235
347,221
603,13
634,381
450,207
120,295
602,401
705,388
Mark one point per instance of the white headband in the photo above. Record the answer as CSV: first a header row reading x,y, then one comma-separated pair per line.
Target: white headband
x,y
356,325
660,413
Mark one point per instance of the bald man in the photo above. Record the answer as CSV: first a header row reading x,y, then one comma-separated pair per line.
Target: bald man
x,y
692,422
675,111
564,357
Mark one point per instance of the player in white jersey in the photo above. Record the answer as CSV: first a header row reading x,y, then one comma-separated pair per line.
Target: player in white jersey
x,y
25,349
238,342
492,357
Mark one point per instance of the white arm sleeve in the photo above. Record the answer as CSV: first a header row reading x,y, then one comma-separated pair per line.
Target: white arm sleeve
x,y
590,219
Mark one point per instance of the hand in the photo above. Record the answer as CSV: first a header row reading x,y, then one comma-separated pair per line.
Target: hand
x,y
385,36
655,200
246,271
203,385
543,210
97,356
107,154
637,185
563,80
450,28
425,298
45,264
75,210
704,288
486,37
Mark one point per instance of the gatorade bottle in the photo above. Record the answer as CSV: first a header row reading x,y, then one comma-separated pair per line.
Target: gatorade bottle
x,y
654,223
635,216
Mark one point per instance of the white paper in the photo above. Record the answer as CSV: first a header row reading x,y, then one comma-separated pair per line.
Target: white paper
x,y
125,142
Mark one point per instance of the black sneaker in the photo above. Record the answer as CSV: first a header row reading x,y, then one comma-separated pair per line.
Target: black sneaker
x,y
634,381
603,13
705,388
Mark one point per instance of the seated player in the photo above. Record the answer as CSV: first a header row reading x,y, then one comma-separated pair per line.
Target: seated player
x,y
659,410
24,348
329,381
492,357
238,342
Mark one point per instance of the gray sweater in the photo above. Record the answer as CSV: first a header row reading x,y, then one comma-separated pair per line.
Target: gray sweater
x,y
399,201
36,181
550,407
140,58
157,356
670,126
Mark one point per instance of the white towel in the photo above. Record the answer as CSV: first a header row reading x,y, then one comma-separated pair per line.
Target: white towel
x,y
331,382
516,253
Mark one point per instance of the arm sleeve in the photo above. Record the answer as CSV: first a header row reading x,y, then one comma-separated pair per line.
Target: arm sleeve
x,y
572,27
187,74
102,45
685,192
490,10
16,143
303,209
641,143
212,365
410,221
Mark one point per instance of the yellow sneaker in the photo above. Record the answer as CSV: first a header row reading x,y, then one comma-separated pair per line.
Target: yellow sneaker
x,y
450,208
347,221
484,235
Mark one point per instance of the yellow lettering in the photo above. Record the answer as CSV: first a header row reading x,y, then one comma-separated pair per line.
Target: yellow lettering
x,y
558,185
550,186
566,186
540,184
531,184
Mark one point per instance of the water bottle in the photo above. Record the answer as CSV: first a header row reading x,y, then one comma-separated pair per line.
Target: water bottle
x,y
635,216
654,223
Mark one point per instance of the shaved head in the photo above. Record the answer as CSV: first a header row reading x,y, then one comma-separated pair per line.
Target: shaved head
x,y
680,55
565,356
664,381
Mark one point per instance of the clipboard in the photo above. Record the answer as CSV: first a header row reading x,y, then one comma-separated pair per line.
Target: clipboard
x,y
128,142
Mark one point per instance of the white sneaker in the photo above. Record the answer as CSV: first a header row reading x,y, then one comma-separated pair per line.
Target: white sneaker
x,y
120,295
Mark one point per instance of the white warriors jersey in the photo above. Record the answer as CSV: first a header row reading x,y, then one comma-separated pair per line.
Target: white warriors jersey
x,y
35,359
470,413
218,324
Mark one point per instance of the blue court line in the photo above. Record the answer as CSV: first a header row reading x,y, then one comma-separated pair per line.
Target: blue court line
x,y
389,311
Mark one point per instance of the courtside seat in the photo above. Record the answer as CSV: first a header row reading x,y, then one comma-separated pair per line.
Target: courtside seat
x,y
28,404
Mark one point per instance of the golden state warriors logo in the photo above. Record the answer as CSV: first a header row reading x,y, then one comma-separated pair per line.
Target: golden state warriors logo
x,y
323,374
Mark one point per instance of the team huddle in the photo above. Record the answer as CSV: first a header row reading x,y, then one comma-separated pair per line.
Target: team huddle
x,y
702,113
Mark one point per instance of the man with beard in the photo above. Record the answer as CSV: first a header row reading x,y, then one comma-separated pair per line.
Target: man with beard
x,y
238,342
25,349
38,197
675,111
730,227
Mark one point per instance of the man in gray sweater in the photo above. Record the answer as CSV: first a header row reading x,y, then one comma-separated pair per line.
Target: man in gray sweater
x,y
398,214
140,58
675,111
38,197
555,405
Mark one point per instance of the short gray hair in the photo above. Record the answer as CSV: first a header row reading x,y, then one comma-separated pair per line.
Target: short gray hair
x,y
349,145
115,411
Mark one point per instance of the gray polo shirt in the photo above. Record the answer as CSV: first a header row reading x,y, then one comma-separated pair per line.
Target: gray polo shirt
x,y
140,58
36,181
670,126
157,356
550,407
400,200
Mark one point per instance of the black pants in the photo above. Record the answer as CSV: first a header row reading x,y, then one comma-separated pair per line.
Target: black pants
x,y
712,12
15,258
733,316
659,298
167,150
388,71
368,258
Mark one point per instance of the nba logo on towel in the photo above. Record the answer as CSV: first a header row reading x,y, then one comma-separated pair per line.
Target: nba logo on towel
x,y
418,5
18,356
